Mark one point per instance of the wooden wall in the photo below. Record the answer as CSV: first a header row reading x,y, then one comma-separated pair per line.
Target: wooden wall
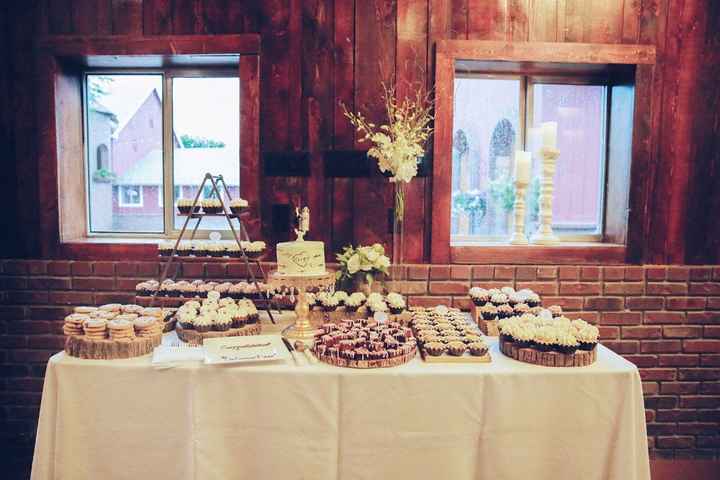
x,y
318,54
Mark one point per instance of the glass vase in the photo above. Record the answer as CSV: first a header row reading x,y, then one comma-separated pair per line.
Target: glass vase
x,y
398,235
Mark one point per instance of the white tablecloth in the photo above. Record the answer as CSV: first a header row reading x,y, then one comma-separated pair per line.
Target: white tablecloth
x,y
126,419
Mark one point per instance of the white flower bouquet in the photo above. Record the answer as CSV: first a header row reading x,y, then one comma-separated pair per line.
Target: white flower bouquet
x,y
364,263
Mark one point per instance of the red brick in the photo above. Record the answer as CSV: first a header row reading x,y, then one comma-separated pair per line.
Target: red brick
x,y
678,273
682,332
49,283
679,360
460,272
58,267
678,388
708,441
504,273
81,268
604,303
713,303
641,332
624,288
621,318
574,288
590,317
429,301
47,342
93,283
196,270
700,402
569,273
541,288
698,428
526,273
28,297
711,332
675,415
700,273
13,341
650,388
708,360
14,283
567,303
664,317
116,297
31,356
126,269
703,317
704,288
71,298
634,274
655,273
699,373
12,313
660,346
15,267
590,274
395,271
623,347
642,361
409,288
675,442
645,303
488,284
660,402
148,269
701,346
439,272
37,267
418,272
104,269
658,374
448,288
547,273
709,388
685,303
667,288
49,313
462,303
609,333
482,272
613,273
216,270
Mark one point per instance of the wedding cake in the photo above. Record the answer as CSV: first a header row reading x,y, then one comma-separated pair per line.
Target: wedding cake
x,y
301,258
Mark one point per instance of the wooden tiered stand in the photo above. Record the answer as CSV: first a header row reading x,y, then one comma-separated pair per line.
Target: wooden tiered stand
x,y
238,234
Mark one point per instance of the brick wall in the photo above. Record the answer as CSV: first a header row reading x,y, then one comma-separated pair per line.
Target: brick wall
x,y
665,319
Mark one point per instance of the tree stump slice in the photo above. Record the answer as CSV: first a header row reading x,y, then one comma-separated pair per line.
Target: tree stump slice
x,y
581,358
81,347
363,364
193,337
488,327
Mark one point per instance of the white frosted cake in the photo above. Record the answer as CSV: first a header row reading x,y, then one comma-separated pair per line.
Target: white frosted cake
x,y
301,258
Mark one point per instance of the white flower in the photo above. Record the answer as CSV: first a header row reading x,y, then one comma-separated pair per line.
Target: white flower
x,y
378,248
372,255
383,262
353,264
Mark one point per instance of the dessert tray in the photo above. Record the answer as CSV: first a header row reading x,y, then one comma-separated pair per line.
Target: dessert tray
x,y
579,358
446,335
216,317
114,331
193,337
364,344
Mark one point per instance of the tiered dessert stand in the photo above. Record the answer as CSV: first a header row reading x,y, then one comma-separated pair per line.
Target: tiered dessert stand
x,y
302,329
238,234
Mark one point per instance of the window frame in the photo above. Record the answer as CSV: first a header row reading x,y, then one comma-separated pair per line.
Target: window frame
x,y
167,189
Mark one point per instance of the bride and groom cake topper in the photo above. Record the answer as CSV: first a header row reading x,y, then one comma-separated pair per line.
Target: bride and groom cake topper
x,y
302,220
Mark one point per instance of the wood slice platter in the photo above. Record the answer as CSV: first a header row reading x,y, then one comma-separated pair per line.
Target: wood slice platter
x,y
581,358
82,347
382,363
447,358
193,337
488,327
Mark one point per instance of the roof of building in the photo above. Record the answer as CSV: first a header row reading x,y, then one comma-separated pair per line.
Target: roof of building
x,y
189,166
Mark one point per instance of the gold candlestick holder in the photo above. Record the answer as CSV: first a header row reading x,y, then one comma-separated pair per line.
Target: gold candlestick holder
x,y
518,236
545,234
302,329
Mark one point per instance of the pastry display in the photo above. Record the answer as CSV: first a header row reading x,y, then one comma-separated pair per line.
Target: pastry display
x,y
216,317
184,205
211,205
340,305
114,331
447,335
547,340
238,205
201,248
184,289
491,305
364,344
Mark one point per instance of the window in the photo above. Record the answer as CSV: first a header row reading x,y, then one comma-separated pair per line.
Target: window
x,y
495,115
130,196
148,131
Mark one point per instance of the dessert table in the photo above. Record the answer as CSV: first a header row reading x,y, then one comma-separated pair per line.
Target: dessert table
x,y
502,420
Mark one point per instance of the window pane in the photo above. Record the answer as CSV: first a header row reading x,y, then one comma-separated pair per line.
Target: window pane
x,y
124,150
486,132
579,178
206,117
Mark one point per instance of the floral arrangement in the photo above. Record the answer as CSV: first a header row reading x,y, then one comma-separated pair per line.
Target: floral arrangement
x,y
399,144
362,262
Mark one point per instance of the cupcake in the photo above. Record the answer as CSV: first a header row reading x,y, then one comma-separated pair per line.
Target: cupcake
x,y
477,349
165,248
479,296
533,300
555,310
240,317
505,311
233,250
238,205
514,298
354,301
587,337
565,342
236,291
254,250
253,314
215,249
396,303
499,299
456,348
185,205
524,335
329,303
199,249
545,338
211,205
521,308
203,323
187,319
488,312
341,297
435,349
184,248
378,307
222,323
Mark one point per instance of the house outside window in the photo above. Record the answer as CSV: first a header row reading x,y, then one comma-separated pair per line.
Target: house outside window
x,y
130,196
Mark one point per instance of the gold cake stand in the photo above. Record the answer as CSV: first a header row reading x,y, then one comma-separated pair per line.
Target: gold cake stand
x,y
302,329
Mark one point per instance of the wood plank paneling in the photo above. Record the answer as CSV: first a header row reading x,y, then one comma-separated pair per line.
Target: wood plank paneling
x,y
187,17
127,17
487,19
60,16
157,17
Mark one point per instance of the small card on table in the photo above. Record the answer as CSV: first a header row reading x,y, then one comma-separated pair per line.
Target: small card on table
x,y
251,348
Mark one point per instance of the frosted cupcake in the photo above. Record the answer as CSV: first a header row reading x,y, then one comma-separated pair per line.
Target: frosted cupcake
x,y
211,205
215,249
555,310
253,315
505,311
545,338
521,308
238,205
184,205
566,342
255,249
222,323
396,303
184,249
524,335
354,301
498,299
378,307
587,337
329,303
477,349
341,297
533,300
488,312
479,296
240,317
165,248
203,323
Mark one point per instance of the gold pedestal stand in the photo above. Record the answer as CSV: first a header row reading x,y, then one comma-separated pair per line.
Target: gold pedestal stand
x,y
302,329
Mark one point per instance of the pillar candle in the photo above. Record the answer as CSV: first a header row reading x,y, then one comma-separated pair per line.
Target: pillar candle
x,y
549,134
523,165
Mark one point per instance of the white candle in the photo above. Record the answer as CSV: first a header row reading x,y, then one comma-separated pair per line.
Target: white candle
x,y
549,134
523,165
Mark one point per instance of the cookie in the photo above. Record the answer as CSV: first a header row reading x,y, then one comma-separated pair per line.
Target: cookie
x,y
111,307
137,309
84,310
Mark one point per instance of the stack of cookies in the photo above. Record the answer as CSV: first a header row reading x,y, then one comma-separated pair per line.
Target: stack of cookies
x,y
121,330
95,328
147,326
74,324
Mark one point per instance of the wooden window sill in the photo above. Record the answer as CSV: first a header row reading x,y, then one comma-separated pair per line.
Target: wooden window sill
x,y
563,254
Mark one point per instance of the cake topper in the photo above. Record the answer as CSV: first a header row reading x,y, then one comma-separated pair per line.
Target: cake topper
x,y
302,218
